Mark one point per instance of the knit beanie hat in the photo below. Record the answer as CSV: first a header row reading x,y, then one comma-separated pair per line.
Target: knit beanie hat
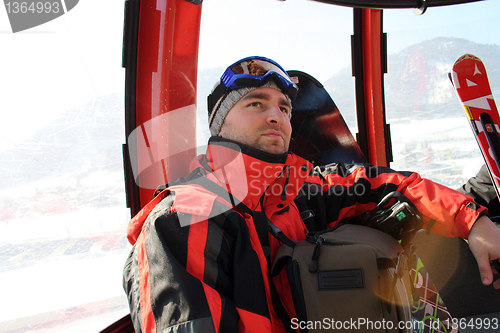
x,y
226,102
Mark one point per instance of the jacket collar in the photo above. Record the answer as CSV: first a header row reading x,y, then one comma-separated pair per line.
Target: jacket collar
x,y
260,180
255,177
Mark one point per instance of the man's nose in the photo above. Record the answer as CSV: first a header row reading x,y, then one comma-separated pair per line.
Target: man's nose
x,y
276,116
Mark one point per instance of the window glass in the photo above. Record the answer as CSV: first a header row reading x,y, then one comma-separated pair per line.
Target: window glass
x,y
62,200
429,129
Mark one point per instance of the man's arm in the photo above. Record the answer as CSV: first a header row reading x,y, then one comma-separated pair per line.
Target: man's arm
x,y
484,242
480,188
351,190
455,214
484,236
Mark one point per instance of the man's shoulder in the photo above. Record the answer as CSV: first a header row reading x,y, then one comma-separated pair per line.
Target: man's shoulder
x,y
188,199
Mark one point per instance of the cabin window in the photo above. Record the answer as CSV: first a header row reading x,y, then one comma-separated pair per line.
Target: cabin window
x,y
429,129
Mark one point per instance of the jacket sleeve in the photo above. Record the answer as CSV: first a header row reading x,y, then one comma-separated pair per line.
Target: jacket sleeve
x,y
165,290
482,190
350,190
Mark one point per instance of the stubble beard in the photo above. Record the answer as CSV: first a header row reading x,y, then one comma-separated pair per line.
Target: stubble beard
x,y
278,149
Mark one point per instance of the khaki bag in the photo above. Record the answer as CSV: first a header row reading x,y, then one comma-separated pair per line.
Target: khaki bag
x,y
348,278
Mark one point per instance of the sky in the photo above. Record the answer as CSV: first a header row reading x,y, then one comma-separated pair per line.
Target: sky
x,y
315,37
76,58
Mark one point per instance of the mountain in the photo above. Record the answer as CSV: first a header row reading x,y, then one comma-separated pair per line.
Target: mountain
x,y
82,138
416,85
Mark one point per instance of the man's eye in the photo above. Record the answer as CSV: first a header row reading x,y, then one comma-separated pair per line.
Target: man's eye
x,y
285,110
256,104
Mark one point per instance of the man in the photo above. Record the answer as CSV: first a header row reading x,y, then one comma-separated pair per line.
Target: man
x,y
198,264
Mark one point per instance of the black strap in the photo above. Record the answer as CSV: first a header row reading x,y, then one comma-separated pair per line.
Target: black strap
x,y
279,309
429,226
260,221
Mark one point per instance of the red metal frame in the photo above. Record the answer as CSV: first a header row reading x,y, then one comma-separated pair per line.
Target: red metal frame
x,y
373,86
165,81
167,64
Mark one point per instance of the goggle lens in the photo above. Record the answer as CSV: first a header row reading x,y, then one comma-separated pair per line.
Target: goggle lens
x,y
256,67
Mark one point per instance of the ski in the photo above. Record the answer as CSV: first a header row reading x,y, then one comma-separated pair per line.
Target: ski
x,y
469,78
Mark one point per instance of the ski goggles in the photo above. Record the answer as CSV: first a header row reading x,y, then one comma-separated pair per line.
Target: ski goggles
x,y
252,72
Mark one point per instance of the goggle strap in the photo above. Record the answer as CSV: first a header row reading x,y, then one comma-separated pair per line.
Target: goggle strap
x,y
218,92
251,82
211,116
292,91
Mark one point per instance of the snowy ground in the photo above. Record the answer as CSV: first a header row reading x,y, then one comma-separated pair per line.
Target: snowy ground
x,y
62,251
443,150
62,280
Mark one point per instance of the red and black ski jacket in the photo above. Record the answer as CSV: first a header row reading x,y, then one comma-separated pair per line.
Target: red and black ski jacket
x,y
197,264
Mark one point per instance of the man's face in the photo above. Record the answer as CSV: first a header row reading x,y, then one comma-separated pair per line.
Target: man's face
x,y
260,119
